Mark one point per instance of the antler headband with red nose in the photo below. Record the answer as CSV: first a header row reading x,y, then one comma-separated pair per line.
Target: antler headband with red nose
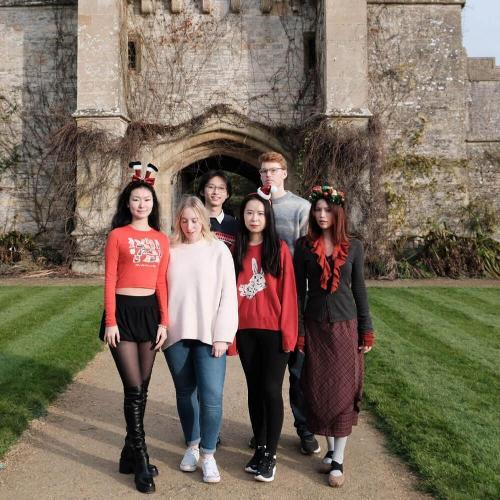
x,y
265,192
148,178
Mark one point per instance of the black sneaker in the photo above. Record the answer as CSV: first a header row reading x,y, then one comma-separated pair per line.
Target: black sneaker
x,y
266,468
251,443
326,463
328,458
309,445
253,464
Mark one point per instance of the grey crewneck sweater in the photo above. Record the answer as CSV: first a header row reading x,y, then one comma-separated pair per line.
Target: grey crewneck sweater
x,y
291,213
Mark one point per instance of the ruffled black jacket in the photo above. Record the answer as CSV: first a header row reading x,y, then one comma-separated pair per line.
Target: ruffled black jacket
x,y
348,302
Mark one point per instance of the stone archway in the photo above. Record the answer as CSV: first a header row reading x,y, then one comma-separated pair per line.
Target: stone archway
x,y
241,145
214,140
243,177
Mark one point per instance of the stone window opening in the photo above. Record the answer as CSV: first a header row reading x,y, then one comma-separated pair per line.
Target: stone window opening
x,y
133,55
309,51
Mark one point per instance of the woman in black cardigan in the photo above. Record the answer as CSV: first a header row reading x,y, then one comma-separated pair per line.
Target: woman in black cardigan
x,y
335,327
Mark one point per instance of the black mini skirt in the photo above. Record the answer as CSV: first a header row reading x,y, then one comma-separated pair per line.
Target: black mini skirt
x,y
137,318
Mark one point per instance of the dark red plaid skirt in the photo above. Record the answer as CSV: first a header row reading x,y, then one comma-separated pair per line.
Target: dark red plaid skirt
x,y
332,377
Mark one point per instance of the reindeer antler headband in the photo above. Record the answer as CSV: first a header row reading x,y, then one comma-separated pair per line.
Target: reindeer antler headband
x,y
265,192
148,177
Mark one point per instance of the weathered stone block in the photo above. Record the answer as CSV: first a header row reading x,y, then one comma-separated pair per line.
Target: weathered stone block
x,y
266,6
482,69
235,6
147,6
177,6
206,6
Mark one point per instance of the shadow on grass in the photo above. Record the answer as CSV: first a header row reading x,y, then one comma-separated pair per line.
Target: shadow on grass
x,y
26,389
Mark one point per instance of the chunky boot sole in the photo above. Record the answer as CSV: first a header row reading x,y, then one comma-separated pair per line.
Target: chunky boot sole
x,y
145,488
128,468
264,479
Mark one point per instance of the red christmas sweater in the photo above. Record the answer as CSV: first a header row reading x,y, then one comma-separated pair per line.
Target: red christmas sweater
x,y
266,302
135,259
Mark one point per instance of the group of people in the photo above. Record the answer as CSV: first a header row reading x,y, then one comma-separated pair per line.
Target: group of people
x,y
280,286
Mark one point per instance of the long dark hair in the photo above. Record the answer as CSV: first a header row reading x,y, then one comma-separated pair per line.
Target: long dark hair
x,y
206,178
271,245
123,217
339,226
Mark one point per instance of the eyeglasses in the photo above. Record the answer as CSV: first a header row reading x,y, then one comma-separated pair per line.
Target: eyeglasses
x,y
211,187
272,171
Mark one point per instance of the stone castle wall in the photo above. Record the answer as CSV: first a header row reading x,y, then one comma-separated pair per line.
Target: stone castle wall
x,y
483,131
439,110
418,79
38,77
248,58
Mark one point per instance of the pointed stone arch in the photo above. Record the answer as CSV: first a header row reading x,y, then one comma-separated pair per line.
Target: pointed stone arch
x,y
244,143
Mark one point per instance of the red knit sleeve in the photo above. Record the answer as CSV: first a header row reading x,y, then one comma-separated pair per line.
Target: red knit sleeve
x,y
161,282
289,309
368,338
111,254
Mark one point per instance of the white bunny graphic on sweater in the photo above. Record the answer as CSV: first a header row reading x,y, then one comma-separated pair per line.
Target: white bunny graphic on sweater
x,y
256,284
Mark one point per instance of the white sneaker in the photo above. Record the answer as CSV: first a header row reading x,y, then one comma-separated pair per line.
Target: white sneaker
x,y
190,460
210,470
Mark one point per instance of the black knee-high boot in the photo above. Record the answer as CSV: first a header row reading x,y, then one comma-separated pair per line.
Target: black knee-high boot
x,y
133,416
127,461
153,470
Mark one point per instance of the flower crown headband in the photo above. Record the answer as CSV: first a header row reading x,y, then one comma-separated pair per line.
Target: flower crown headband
x,y
137,176
328,193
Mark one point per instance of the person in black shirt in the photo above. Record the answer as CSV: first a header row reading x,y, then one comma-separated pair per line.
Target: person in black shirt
x,y
215,190
335,328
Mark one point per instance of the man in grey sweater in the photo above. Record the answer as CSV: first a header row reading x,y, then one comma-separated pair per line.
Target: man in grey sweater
x,y
291,213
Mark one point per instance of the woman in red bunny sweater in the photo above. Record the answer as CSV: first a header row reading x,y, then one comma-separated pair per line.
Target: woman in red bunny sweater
x,y
267,330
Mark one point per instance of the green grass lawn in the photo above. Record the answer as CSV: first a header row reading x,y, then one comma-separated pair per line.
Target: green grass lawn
x,y
47,334
433,383
432,380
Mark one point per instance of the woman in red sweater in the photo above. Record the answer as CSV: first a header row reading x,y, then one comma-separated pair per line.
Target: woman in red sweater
x,y
267,330
135,319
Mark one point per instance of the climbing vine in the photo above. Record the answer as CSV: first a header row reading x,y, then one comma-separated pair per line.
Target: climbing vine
x,y
177,84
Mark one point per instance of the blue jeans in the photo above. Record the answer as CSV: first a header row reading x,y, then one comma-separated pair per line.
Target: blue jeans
x,y
199,382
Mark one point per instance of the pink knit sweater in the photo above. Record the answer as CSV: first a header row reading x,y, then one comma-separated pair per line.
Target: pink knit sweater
x,y
202,298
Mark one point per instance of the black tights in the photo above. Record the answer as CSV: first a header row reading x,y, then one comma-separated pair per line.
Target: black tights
x,y
264,364
134,361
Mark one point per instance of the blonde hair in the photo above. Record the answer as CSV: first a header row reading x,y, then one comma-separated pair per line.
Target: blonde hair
x,y
193,202
273,157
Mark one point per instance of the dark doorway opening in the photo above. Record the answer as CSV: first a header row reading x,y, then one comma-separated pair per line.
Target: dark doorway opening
x,y
244,177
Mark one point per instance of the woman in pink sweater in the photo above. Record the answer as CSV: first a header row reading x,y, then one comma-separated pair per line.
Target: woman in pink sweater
x,y
203,312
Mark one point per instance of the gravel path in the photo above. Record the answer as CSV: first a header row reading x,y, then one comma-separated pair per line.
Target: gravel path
x,y
72,453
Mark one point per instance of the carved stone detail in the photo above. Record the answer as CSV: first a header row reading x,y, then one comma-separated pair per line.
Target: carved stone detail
x,y
177,6
206,6
266,6
235,6
147,6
